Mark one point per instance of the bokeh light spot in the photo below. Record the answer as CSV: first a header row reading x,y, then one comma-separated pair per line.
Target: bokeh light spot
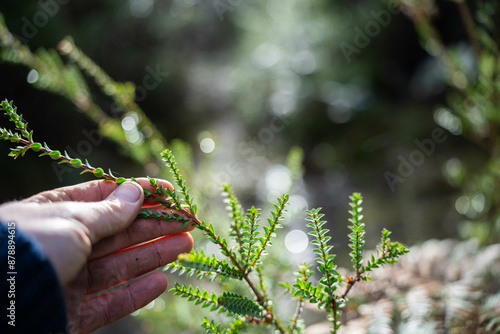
x,y
462,204
296,241
128,123
207,145
278,179
477,202
32,76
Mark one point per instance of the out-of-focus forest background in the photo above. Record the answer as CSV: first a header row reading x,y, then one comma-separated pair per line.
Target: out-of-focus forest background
x,y
396,100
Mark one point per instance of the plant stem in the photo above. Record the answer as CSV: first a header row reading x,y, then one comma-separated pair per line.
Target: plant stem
x,y
27,143
296,315
322,246
350,285
235,212
334,315
258,269
252,223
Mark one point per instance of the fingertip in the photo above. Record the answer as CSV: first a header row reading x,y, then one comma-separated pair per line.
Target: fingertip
x,y
128,191
187,240
160,280
189,227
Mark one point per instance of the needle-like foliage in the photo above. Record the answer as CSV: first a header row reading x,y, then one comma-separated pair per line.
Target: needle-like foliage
x,y
243,261
270,231
250,248
357,237
240,305
199,261
234,206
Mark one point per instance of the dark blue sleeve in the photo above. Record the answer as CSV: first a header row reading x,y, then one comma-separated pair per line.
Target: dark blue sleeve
x,y
31,299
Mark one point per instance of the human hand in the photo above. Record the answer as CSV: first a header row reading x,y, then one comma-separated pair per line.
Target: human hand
x,y
87,232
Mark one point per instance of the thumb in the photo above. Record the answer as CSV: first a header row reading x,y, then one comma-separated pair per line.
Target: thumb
x,y
113,214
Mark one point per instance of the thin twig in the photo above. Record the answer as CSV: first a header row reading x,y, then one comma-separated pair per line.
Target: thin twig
x,y
349,286
296,315
64,158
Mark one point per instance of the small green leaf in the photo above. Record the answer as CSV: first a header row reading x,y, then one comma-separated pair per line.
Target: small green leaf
x,y
36,147
120,180
98,172
75,163
54,155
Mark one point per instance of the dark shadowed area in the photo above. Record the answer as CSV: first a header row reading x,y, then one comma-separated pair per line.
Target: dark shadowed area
x,y
396,100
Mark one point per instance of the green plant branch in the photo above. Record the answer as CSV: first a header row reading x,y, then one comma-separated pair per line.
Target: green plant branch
x,y
250,246
209,231
357,237
262,285
325,261
169,159
303,274
211,327
296,315
387,253
225,250
251,234
221,242
27,143
258,295
199,261
236,214
273,225
25,139
350,283
199,296
240,305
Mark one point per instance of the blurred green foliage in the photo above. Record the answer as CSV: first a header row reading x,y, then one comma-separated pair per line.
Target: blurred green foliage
x,y
471,108
264,78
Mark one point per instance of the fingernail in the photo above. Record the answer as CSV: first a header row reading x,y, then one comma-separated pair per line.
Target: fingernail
x,y
128,192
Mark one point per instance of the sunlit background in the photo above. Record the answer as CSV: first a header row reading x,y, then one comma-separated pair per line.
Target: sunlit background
x,y
243,82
